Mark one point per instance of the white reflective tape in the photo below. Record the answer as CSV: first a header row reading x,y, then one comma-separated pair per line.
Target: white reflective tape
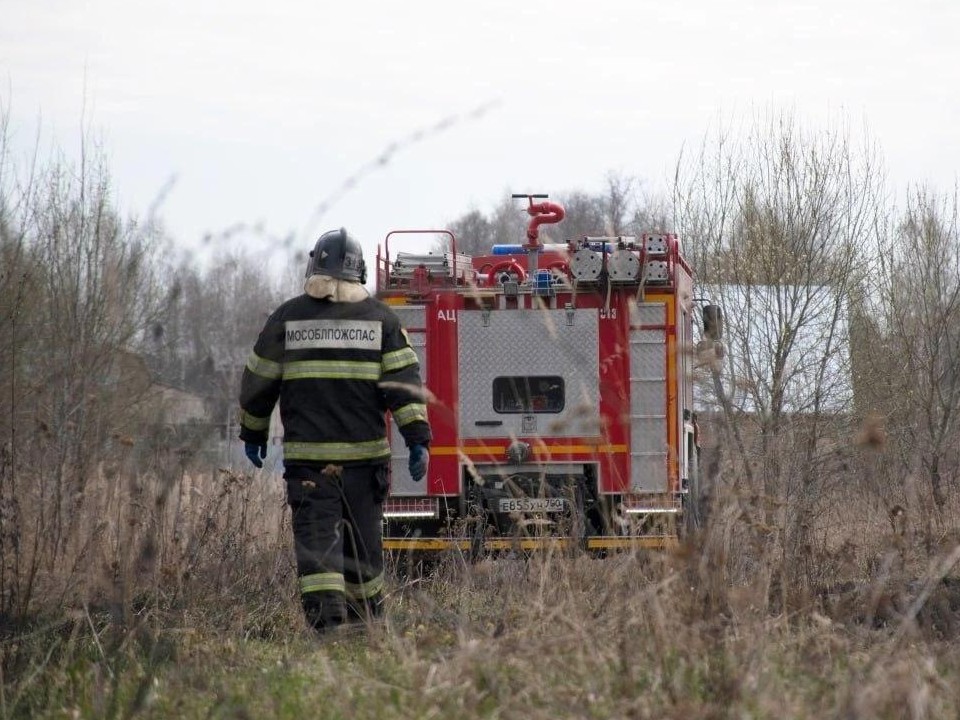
x,y
336,334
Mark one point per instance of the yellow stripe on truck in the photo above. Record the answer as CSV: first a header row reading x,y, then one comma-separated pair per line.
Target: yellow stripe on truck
x,y
425,544
655,542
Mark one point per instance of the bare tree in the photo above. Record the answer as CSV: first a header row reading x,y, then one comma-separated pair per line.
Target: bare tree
x,y
585,215
619,203
776,223
915,357
474,233
76,296
203,341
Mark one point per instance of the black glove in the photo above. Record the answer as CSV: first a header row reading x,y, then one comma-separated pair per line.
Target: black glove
x,y
419,457
255,452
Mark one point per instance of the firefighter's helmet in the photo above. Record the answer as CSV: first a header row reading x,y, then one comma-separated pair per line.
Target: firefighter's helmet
x,y
339,255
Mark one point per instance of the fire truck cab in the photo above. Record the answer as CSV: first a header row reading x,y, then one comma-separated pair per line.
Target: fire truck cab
x,y
559,390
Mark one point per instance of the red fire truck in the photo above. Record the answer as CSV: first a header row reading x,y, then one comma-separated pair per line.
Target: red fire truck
x,y
559,391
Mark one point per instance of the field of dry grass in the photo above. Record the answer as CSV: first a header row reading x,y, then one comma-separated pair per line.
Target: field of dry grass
x,y
824,583
180,602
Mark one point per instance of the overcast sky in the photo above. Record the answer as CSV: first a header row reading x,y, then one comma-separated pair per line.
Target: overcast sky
x,y
257,112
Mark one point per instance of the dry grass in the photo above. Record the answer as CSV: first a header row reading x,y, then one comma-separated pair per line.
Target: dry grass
x,y
180,601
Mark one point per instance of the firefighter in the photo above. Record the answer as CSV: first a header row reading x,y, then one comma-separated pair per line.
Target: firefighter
x,y
336,359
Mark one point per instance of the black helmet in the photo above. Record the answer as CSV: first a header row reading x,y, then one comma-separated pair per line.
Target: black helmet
x,y
338,255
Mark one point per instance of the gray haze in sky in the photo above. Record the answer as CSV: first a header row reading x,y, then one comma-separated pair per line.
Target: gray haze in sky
x,y
256,112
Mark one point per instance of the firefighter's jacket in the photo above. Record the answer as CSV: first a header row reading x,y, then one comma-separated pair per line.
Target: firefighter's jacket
x,y
336,368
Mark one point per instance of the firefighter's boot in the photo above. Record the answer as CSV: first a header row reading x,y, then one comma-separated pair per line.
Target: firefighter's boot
x,y
367,610
325,611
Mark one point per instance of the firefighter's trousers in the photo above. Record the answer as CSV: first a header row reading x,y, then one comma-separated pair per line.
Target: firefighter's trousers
x,y
337,516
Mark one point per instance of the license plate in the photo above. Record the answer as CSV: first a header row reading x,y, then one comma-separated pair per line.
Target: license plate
x,y
516,505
